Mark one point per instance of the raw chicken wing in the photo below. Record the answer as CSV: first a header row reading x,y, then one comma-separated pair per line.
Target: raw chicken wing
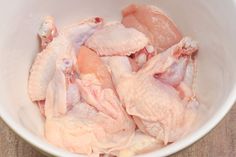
x,y
115,39
47,31
69,39
152,95
93,121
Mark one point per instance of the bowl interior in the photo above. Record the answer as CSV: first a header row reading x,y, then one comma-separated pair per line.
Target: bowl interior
x,y
209,22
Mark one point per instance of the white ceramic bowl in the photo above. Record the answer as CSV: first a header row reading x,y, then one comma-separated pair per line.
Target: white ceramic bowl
x,y
210,22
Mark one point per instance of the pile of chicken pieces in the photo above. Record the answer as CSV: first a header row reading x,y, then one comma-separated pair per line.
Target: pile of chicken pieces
x,y
117,88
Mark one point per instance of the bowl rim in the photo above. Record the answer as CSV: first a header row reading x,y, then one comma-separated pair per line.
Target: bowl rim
x,y
171,149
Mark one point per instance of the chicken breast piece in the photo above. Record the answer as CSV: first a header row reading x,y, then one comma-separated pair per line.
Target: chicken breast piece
x,y
158,27
115,39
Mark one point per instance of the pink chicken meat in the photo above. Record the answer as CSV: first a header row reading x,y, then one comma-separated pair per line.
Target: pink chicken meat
x,y
115,39
84,115
158,27
68,39
115,88
159,96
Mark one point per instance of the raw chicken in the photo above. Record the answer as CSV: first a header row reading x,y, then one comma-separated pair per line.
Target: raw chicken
x,y
153,96
143,55
62,91
120,67
69,39
118,61
41,105
94,122
93,65
141,143
47,31
115,39
115,89
158,27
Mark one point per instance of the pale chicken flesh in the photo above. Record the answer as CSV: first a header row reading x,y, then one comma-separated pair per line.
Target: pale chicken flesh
x,y
154,95
157,26
68,39
93,121
115,88
115,39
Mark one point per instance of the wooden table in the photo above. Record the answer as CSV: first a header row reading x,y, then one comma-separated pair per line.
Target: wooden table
x,y
220,142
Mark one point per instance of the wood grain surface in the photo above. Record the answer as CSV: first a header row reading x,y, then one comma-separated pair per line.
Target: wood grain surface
x,y
220,142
